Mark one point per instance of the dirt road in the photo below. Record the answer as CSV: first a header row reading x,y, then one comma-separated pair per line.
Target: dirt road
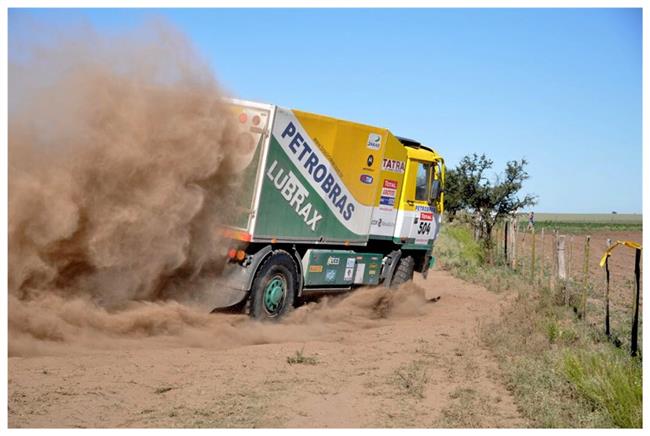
x,y
371,359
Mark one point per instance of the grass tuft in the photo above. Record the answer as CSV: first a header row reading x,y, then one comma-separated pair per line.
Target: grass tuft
x,y
611,381
301,359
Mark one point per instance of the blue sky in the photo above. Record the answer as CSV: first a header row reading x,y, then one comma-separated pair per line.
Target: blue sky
x,y
560,87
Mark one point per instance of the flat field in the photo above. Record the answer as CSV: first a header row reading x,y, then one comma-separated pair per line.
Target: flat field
x,y
577,223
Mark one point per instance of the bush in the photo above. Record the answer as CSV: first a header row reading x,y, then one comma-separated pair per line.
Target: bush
x,y
456,246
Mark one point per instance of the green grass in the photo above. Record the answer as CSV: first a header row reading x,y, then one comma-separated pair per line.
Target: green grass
x,y
457,248
578,228
596,218
561,372
611,381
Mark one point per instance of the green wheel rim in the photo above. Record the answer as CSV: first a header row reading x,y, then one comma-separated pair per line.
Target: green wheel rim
x,y
274,294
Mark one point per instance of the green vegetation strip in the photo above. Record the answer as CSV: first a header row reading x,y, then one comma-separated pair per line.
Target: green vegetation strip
x,y
610,380
589,218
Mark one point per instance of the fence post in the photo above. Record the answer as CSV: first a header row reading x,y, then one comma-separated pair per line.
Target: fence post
x,y
505,242
569,269
554,267
561,270
532,257
542,261
514,244
635,323
585,280
607,331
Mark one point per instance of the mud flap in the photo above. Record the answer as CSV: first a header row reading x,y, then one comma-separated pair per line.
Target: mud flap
x,y
390,264
429,261
235,281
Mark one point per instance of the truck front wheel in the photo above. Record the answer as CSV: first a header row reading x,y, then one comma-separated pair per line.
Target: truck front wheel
x,y
404,271
274,287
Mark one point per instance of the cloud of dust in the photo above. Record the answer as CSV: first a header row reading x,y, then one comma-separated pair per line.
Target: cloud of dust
x,y
119,174
118,168
65,326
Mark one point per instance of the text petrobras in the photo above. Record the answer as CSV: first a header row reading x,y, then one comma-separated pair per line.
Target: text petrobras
x,y
320,172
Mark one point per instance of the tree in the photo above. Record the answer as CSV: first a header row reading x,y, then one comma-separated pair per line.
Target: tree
x,y
468,188
453,197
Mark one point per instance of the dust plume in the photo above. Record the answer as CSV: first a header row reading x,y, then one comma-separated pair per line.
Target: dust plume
x,y
118,168
120,172
65,326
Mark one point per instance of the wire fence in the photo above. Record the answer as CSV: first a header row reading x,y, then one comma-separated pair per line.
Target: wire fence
x,y
608,298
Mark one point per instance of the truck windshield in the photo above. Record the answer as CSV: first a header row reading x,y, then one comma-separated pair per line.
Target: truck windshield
x,y
422,179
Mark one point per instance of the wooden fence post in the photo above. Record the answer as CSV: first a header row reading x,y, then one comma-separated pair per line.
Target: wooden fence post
x,y
585,280
542,263
532,257
569,269
505,242
514,244
561,270
607,331
554,268
635,322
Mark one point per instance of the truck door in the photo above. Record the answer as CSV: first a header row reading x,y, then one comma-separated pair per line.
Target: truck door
x,y
415,219
251,122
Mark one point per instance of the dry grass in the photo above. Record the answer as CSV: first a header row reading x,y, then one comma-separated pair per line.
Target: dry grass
x,y
468,410
412,378
299,358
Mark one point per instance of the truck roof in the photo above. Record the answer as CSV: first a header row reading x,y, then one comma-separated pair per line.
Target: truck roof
x,y
412,143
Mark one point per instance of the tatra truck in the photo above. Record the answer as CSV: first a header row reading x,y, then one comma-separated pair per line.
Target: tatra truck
x,y
326,205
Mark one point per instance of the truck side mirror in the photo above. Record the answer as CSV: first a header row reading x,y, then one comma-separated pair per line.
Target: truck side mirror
x,y
435,191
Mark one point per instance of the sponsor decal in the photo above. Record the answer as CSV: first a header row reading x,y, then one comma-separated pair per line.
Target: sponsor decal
x,y
382,222
426,216
295,193
392,165
315,268
350,262
388,193
333,260
366,178
370,160
374,141
358,277
327,181
348,273
424,208
391,184
330,275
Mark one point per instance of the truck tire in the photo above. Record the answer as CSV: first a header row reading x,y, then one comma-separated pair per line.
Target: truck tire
x,y
404,271
274,287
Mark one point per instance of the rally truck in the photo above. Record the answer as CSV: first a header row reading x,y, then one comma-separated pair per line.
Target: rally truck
x,y
326,205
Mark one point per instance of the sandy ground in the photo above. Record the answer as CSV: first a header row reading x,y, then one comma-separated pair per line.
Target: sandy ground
x,y
419,364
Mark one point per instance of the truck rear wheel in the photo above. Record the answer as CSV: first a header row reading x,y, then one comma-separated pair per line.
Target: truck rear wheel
x,y
404,271
274,287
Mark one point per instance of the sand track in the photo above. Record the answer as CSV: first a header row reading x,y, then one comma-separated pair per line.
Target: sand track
x,y
403,362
